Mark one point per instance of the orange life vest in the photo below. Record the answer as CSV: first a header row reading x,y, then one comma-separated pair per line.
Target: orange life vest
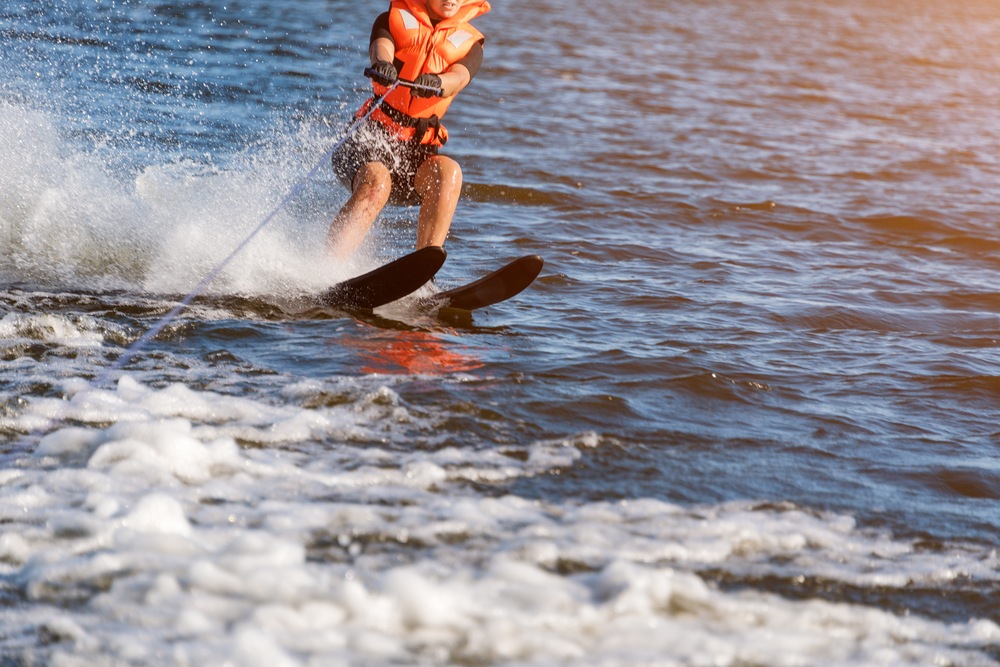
x,y
424,48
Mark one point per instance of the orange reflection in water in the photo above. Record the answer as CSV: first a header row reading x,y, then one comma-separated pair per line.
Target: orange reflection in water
x,y
393,352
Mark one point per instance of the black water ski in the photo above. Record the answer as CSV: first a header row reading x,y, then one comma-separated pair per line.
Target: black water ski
x,y
386,283
492,288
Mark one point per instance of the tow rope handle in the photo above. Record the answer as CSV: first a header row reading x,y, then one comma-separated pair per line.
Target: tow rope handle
x,y
437,92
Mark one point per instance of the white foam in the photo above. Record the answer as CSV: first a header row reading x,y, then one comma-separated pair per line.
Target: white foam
x,y
204,215
65,216
187,548
69,217
81,331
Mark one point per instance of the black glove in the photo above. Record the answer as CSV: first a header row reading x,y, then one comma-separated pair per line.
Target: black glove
x,y
430,81
383,73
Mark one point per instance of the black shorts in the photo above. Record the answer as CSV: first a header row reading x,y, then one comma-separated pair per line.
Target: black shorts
x,y
373,143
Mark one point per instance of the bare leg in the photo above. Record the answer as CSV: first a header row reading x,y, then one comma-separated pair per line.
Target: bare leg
x,y
372,185
439,183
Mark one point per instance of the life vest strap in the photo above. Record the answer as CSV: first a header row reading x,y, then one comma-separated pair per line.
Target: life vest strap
x,y
420,125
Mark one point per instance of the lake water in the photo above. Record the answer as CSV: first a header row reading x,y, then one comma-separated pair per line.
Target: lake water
x,y
746,416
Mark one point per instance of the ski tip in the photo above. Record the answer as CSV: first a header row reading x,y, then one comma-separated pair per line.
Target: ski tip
x,y
432,251
531,265
431,258
388,282
500,285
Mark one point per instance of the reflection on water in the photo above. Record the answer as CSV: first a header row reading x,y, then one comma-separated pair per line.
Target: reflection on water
x,y
393,352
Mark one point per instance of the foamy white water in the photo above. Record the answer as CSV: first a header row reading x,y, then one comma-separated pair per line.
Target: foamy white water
x,y
163,228
198,528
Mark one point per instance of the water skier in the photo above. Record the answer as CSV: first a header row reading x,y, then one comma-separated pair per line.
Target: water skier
x,y
396,158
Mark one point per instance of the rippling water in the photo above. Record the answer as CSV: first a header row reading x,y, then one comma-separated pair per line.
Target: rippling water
x,y
746,416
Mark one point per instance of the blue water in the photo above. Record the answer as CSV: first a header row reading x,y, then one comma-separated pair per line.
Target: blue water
x,y
747,414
